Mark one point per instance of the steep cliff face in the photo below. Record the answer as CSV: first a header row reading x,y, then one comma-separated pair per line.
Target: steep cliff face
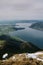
x,y
38,26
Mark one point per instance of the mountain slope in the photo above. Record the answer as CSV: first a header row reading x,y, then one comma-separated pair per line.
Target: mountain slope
x,y
14,46
38,26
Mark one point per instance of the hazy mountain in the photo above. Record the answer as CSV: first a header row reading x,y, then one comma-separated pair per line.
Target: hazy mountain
x,y
38,26
19,21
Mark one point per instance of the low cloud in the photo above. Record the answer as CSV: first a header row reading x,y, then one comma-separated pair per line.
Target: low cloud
x,y
21,9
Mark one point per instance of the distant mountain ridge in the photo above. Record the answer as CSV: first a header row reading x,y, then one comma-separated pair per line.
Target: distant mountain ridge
x,y
38,26
19,21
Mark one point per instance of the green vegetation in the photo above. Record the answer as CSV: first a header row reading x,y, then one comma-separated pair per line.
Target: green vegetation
x,y
15,45
2,43
5,29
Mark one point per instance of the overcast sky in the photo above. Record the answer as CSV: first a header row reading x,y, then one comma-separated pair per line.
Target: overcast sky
x,y
21,9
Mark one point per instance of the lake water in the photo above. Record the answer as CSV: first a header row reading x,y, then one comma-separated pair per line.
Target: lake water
x,y
29,34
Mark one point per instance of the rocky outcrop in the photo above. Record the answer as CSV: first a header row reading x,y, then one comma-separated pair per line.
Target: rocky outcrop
x,y
24,59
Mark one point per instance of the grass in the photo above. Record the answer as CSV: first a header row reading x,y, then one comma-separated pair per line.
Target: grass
x,y
15,45
2,43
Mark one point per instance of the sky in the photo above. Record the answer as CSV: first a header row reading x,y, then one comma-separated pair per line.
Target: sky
x,y
21,9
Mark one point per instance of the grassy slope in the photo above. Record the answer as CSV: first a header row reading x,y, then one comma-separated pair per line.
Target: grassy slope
x,y
14,46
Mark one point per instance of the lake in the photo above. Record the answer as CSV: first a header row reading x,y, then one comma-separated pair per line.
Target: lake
x,y
29,34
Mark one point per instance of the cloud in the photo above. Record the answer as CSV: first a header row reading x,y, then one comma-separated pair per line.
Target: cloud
x,y
21,9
